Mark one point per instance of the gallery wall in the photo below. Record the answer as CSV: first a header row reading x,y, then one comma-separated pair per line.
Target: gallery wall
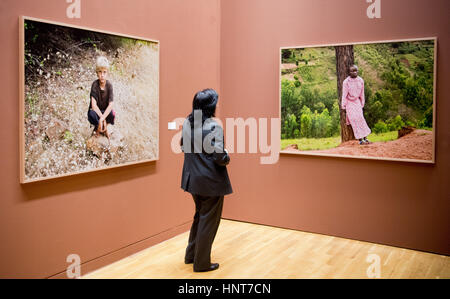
x,y
232,46
105,215
396,203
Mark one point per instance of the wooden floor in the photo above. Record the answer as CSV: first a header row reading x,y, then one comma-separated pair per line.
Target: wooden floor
x,y
247,250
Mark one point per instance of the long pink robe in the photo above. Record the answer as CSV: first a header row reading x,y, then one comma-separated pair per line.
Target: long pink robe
x,y
353,101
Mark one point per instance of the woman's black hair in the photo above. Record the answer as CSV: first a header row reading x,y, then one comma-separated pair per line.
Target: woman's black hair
x,y
206,101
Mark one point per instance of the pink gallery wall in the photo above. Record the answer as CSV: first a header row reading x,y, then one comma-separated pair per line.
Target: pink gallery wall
x,y
233,46
395,203
106,215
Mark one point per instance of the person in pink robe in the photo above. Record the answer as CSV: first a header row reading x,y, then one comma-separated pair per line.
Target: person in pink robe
x,y
353,102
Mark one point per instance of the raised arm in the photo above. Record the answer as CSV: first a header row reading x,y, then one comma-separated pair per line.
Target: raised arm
x,y
362,97
110,101
344,95
95,107
213,144
94,96
220,155
108,110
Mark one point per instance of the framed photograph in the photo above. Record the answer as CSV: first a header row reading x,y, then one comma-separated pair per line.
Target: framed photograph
x,y
89,99
371,100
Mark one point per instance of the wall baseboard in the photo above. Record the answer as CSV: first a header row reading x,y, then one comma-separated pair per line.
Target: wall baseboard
x,y
126,251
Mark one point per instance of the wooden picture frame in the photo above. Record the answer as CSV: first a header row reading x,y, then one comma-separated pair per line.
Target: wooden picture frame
x,y
68,75
331,152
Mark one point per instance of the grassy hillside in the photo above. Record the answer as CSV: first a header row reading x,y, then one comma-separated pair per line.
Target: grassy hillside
x,y
398,88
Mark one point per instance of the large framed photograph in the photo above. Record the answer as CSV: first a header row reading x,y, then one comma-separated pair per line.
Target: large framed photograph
x,y
372,100
89,99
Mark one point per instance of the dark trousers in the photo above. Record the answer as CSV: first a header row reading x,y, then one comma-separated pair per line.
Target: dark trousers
x,y
208,210
94,118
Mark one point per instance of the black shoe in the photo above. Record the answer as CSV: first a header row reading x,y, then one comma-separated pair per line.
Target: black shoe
x,y
189,261
211,268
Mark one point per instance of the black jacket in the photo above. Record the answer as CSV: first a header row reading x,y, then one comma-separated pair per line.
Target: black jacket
x,y
204,168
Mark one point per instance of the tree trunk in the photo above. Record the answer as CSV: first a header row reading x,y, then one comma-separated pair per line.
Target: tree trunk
x,y
344,59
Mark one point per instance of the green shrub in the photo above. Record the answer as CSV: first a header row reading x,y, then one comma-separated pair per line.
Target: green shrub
x,y
68,136
324,124
335,119
286,54
410,123
380,127
427,121
291,128
396,123
306,122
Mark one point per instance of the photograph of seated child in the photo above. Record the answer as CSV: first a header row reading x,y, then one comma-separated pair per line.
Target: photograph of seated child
x,y
101,111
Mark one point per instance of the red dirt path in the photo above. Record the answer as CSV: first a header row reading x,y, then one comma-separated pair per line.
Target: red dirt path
x,y
418,145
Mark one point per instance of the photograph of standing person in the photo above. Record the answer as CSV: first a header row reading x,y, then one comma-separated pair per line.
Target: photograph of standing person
x,y
353,103
369,100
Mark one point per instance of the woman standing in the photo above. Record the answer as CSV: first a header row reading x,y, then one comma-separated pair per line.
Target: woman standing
x,y
205,176
353,102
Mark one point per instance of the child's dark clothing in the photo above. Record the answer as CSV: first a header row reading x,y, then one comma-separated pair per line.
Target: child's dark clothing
x,y
94,118
103,98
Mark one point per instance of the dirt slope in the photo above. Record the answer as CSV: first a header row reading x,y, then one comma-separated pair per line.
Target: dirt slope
x,y
417,145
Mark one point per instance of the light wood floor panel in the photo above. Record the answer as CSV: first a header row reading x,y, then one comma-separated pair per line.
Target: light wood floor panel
x,y
246,250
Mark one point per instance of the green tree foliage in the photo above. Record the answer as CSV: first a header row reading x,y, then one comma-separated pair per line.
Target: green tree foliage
x,y
323,124
427,121
398,88
375,112
418,94
291,127
335,119
380,127
290,102
306,122
396,75
286,54
396,123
